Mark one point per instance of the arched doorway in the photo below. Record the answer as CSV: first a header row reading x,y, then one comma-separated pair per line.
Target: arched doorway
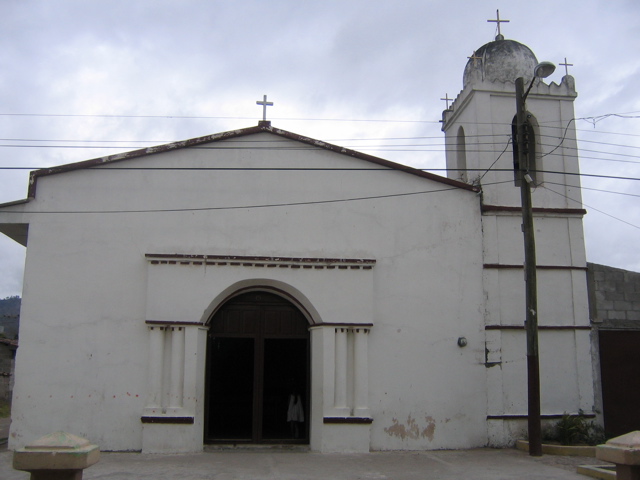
x,y
257,359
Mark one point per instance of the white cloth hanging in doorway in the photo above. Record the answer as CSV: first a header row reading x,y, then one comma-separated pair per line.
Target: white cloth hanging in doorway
x,y
295,413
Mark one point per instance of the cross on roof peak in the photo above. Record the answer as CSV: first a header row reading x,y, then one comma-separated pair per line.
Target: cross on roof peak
x,y
264,104
498,21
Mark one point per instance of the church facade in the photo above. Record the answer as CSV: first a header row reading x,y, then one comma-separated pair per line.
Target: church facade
x,y
257,286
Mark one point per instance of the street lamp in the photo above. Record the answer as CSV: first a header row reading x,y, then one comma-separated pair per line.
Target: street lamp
x,y
542,70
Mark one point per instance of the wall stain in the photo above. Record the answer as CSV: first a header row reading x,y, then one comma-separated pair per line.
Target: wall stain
x,y
430,429
411,429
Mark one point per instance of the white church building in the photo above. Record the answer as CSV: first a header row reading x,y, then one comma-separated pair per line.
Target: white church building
x,y
193,293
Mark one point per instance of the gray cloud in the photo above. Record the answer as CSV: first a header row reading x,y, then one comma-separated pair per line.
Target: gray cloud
x,y
345,60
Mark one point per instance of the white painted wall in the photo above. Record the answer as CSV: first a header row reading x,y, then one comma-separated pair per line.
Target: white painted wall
x,y
83,361
484,110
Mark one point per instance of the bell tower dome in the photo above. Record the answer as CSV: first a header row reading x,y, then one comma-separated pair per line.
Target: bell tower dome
x,y
502,61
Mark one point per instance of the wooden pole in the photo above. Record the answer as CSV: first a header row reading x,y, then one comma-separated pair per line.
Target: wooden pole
x,y
531,322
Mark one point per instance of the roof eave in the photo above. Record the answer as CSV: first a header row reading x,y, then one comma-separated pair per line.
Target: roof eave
x,y
263,126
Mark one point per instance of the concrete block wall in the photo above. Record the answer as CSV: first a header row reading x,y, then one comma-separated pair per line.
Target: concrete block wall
x,y
614,297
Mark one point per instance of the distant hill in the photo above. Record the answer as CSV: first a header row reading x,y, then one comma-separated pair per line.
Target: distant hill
x,y
10,316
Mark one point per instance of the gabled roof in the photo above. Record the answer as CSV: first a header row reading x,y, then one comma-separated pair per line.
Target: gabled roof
x,y
263,126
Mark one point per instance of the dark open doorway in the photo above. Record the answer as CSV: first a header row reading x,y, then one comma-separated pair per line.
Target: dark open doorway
x,y
620,370
257,372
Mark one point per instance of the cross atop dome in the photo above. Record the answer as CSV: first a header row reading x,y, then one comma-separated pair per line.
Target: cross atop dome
x,y
498,21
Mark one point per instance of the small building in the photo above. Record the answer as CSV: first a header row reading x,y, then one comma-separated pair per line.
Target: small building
x,y
614,296
260,286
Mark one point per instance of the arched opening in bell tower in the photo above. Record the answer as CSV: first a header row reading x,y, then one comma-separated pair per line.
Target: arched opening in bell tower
x,y
532,151
461,156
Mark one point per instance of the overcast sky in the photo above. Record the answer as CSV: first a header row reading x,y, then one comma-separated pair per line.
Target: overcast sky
x,y
356,73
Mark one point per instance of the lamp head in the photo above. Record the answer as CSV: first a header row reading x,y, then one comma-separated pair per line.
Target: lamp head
x,y
544,69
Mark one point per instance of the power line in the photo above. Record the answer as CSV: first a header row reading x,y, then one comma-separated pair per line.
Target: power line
x,y
319,202
592,189
245,207
591,119
438,137
325,169
440,142
374,148
496,160
592,208
581,140
204,117
608,133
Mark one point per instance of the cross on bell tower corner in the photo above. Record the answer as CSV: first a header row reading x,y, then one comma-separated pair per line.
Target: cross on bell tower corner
x,y
447,99
566,66
265,104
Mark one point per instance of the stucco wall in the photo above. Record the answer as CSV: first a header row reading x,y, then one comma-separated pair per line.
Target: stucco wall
x,y
83,361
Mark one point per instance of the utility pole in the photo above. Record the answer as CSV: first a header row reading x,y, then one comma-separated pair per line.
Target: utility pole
x,y
531,322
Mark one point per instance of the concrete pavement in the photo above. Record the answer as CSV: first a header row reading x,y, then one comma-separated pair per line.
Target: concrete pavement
x,y
282,464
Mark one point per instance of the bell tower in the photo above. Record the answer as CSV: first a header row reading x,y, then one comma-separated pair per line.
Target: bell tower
x,y
478,129
479,137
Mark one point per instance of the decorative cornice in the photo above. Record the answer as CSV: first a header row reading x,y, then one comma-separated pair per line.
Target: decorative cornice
x,y
344,325
539,267
540,327
172,323
166,419
552,416
348,420
518,210
566,90
261,262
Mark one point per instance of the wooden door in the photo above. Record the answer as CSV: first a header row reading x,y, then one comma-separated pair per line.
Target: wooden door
x,y
620,373
257,357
